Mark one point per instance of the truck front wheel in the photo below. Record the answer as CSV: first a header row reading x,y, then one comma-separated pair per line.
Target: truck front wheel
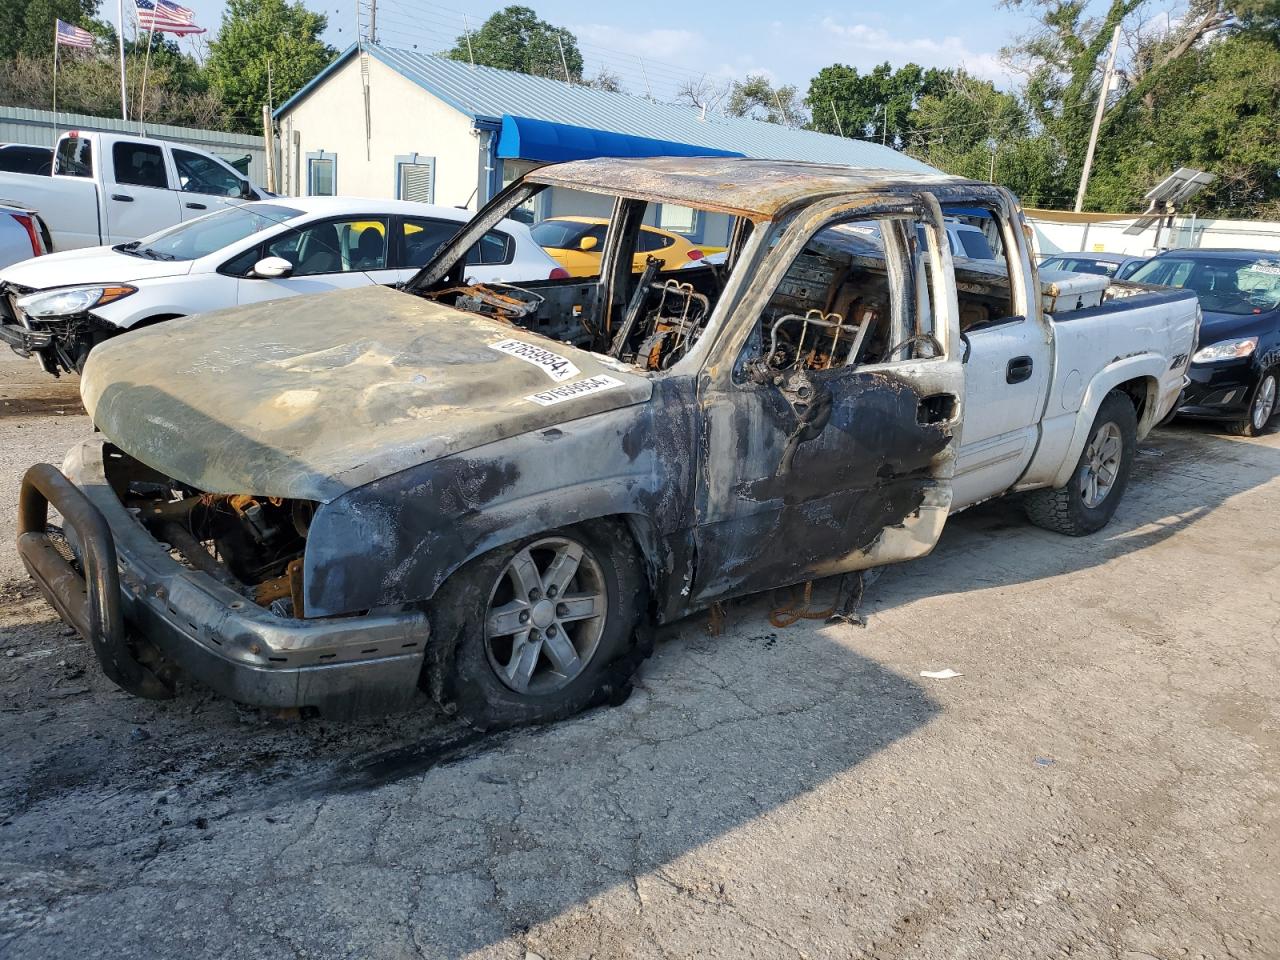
x,y
1086,503
541,628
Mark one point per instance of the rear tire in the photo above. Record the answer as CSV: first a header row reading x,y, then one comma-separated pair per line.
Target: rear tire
x,y
519,641
1086,504
1262,407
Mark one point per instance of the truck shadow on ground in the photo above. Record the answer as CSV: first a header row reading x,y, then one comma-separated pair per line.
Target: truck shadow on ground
x,y
1181,474
414,836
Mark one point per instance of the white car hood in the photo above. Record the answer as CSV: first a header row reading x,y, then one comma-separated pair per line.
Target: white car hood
x,y
90,265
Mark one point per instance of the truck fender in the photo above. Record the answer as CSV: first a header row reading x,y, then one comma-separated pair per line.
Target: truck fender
x,y
410,530
1144,371
418,548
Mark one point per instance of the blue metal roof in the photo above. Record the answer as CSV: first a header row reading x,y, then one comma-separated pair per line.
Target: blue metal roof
x,y
488,94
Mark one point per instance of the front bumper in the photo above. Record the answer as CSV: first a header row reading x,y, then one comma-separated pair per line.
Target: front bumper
x,y
130,598
1218,391
26,341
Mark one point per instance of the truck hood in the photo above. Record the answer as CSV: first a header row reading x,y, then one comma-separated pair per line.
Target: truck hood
x,y
309,397
89,265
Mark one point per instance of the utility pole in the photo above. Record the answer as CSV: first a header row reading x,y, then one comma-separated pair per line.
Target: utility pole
x,y
563,62
268,141
471,54
786,117
1097,118
836,113
373,21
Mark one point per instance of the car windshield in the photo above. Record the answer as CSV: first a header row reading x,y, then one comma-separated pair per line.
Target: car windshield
x,y
198,238
561,234
1101,268
1239,285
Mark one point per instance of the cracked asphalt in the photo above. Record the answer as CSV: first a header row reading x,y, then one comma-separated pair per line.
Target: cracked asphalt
x,y
1101,782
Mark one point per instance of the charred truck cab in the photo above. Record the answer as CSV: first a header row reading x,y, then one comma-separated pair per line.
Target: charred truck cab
x,y
488,492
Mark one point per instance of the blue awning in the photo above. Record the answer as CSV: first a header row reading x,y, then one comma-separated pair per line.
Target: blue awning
x,y
525,139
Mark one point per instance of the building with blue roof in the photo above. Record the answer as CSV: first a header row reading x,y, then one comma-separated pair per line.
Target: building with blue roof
x,y
384,122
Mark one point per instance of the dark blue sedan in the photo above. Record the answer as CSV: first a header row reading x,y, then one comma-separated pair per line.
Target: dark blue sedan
x,y
1234,370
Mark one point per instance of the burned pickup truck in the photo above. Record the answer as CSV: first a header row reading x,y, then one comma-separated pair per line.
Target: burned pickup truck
x,y
488,492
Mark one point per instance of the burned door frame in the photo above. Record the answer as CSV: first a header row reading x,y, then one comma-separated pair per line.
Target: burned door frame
x,y
867,483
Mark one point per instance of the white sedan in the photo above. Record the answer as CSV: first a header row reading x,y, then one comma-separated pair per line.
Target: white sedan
x,y
57,307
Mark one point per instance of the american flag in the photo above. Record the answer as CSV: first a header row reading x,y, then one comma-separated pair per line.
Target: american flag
x,y
164,16
69,35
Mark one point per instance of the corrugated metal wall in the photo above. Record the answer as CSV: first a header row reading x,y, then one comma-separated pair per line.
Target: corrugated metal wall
x,y
38,127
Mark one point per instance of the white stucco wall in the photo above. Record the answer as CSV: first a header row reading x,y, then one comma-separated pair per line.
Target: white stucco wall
x,y
404,119
1110,237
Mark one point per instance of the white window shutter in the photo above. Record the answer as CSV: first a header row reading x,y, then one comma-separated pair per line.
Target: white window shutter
x,y
416,182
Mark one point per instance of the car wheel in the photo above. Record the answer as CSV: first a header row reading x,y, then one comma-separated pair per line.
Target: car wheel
x,y
1261,409
1087,502
541,628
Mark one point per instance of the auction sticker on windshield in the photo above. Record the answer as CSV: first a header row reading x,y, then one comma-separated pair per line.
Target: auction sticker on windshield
x,y
556,367
580,388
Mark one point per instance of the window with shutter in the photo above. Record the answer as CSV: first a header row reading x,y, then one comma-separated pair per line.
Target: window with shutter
x,y
417,181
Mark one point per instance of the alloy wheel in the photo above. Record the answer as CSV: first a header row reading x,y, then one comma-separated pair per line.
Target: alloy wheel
x,y
1101,464
1264,403
545,616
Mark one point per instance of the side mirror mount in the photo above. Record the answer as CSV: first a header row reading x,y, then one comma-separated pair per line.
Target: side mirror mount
x,y
272,268
246,191
588,243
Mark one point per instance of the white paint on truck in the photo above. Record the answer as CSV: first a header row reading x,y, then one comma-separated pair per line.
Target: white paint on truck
x,y
113,188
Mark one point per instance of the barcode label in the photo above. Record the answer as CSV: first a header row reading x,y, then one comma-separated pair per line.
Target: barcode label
x,y
556,367
578,389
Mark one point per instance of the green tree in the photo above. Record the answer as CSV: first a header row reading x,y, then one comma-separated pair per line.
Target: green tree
x,y
759,99
879,104
26,26
91,84
515,39
264,46
971,129
1216,109
1062,60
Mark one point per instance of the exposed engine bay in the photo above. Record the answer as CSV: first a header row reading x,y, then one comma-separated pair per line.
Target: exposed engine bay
x,y
252,544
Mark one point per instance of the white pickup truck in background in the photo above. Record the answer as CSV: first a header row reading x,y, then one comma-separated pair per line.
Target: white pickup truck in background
x,y
111,188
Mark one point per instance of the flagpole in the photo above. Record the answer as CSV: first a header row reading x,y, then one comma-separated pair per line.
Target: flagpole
x,y
124,105
55,82
146,65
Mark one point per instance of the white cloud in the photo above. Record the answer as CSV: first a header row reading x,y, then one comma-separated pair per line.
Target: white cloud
x,y
659,44
867,45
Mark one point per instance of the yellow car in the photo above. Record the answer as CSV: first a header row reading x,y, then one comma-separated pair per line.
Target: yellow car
x,y
576,243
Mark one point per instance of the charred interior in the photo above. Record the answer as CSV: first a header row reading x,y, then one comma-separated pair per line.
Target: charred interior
x,y
252,544
639,308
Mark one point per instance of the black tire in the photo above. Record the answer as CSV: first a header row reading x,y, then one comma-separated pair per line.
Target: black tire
x,y
459,673
1063,509
1250,426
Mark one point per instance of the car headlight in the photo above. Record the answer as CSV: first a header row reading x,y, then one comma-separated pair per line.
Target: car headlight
x,y
69,301
1225,350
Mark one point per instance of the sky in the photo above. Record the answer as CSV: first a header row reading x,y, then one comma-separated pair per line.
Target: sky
x,y
654,47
